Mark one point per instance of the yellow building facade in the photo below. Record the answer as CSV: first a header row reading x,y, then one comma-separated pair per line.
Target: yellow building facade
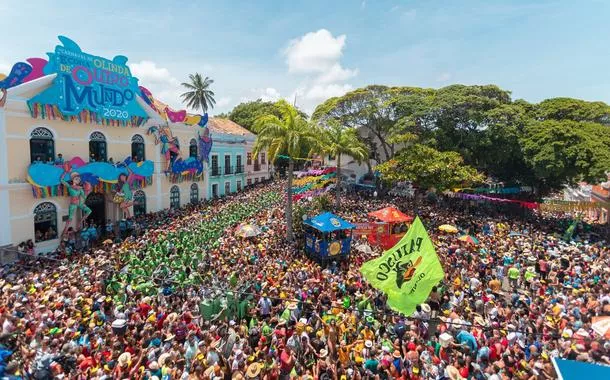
x,y
31,210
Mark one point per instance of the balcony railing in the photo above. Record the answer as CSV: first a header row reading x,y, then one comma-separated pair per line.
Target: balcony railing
x,y
215,171
228,170
239,169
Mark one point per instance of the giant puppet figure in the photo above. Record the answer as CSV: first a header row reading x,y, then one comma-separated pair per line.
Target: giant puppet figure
x,y
124,196
168,142
77,192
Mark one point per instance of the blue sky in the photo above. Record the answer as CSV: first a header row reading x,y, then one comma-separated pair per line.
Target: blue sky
x,y
317,49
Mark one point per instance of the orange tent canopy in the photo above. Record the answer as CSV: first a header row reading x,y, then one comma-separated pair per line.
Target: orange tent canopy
x,y
391,215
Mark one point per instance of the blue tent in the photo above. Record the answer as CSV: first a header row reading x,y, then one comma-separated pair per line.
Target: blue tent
x,y
328,222
572,369
321,241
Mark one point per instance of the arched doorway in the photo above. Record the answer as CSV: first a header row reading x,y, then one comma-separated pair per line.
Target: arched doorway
x,y
97,204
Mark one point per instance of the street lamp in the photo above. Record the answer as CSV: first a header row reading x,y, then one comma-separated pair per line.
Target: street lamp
x,y
375,193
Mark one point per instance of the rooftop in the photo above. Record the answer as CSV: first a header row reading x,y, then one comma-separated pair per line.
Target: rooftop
x,y
227,126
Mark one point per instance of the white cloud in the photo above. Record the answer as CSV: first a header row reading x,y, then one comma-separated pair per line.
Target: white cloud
x,y
336,74
315,52
322,92
444,77
318,55
148,72
223,101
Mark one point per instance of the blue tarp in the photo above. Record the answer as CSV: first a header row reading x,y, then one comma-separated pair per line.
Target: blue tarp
x,y
572,369
328,222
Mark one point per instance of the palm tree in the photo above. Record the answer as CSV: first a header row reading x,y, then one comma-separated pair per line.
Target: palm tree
x,y
336,141
199,95
287,135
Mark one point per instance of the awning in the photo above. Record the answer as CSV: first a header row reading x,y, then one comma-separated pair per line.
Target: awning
x,y
572,369
328,222
391,215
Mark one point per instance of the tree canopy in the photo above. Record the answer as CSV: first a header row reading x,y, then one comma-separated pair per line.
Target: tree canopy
x,y
546,145
428,167
246,113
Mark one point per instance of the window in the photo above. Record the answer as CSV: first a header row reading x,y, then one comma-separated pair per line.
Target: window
x,y
256,164
249,158
249,182
263,159
238,167
227,164
45,222
215,171
138,151
238,185
97,147
255,180
193,148
139,203
42,146
194,193
174,197
215,190
227,188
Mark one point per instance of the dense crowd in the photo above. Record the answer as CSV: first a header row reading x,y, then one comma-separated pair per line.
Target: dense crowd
x,y
189,299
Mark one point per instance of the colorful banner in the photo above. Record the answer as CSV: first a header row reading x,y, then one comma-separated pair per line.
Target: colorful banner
x,y
86,82
408,271
526,204
497,190
567,206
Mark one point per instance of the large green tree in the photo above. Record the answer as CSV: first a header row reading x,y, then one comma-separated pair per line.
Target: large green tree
x,y
564,152
289,134
246,113
370,110
337,141
427,167
198,96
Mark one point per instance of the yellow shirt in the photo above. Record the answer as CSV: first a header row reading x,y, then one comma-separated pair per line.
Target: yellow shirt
x,y
368,335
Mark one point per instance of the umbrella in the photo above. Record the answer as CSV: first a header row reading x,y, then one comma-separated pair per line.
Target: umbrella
x,y
448,228
247,230
469,239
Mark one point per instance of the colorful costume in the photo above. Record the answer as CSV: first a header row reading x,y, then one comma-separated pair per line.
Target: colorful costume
x,y
77,199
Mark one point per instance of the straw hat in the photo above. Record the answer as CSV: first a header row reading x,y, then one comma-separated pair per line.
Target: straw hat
x,y
396,354
323,353
368,344
426,308
480,321
124,359
292,306
253,370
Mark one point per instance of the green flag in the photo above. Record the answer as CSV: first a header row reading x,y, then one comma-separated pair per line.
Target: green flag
x,y
567,236
406,272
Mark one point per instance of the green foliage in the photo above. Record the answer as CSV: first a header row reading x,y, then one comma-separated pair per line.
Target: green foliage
x,y
428,167
245,114
336,141
567,151
573,109
288,134
199,96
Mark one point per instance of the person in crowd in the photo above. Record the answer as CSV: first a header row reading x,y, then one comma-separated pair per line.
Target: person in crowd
x,y
187,298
